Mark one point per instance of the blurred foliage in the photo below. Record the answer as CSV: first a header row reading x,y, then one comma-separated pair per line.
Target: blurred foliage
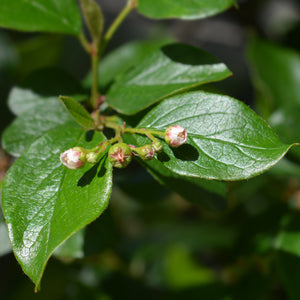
x,y
150,243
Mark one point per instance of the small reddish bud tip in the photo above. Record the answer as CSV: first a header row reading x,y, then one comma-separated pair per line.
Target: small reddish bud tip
x,y
120,155
73,158
175,136
145,152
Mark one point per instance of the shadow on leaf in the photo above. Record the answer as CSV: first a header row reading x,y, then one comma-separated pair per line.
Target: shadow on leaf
x,y
89,175
163,157
186,152
89,135
193,55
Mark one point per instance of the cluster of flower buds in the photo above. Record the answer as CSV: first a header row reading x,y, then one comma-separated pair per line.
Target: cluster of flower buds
x,y
120,154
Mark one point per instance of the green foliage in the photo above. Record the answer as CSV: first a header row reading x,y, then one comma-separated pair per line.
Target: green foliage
x,y
230,239
5,246
61,201
78,112
164,73
93,17
21,100
38,15
235,144
32,124
275,71
116,63
288,238
196,9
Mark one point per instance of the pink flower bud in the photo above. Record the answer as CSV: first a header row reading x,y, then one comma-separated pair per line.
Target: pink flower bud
x,y
175,136
73,158
120,155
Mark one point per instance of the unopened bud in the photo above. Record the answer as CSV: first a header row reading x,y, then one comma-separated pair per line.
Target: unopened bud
x,y
92,157
157,146
175,136
145,152
120,155
73,158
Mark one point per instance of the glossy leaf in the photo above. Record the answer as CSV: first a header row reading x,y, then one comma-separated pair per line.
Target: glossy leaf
x,y
93,17
40,15
275,71
21,100
52,202
31,124
226,139
78,112
117,62
164,73
195,9
211,194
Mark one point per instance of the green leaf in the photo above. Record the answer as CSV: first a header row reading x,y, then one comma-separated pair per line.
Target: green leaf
x,y
288,239
285,122
5,246
286,169
9,57
21,100
195,9
52,81
117,62
78,112
72,247
31,124
94,18
41,86
275,70
39,51
39,15
182,271
52,202
226,139
172,69
208,193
